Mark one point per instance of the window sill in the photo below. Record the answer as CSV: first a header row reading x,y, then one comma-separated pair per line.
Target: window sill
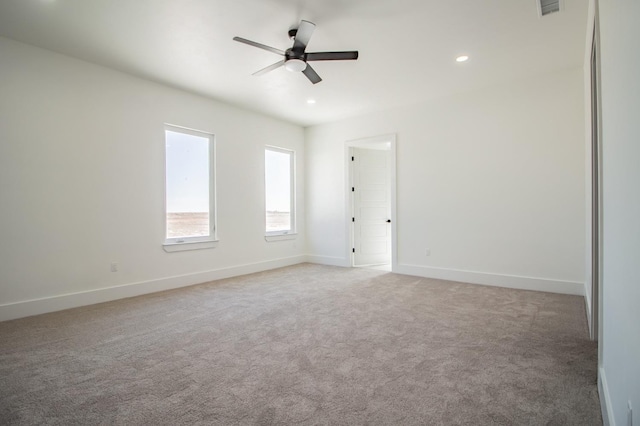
x,y
281,237
189,245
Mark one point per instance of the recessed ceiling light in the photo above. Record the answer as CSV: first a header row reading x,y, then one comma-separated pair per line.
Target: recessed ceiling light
x,y
311,101
462,58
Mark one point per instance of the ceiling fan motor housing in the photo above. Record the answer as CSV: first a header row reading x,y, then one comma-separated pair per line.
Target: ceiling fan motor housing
x,y
292,54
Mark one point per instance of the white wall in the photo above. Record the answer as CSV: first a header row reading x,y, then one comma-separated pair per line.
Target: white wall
x,y
491,181
82,183
620,71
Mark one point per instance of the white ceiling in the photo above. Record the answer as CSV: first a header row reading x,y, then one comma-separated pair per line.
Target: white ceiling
x,y
407,47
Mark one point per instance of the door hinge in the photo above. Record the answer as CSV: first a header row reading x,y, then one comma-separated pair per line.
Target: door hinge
x,y
353,189
353,250
353,158
353,219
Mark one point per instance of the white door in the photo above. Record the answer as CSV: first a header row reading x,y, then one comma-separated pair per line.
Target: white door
x,y
371,206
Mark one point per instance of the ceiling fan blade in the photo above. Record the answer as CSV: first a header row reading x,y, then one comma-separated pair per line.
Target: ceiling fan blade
x,y
303,35
269,68
311,74
331,56
260,45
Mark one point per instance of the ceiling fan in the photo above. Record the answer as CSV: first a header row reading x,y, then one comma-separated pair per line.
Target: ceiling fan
x,y
295,58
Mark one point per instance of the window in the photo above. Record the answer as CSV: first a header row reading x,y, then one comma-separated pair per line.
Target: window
x,y
190,189
279,172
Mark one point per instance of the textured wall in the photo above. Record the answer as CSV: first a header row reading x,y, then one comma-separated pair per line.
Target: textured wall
x,y
82,177
620,68
491,181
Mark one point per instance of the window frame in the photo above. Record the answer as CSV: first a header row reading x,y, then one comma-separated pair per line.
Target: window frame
x,y
292,232
197,242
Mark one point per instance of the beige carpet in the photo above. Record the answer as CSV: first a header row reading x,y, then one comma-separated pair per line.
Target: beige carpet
x,y
306,344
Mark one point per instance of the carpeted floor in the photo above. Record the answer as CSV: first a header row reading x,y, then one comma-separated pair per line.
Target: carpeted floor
x,y
306,344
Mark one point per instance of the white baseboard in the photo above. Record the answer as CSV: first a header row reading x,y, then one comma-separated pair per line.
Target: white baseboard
x,y
73,300
57,303
605,399
498,280
328,260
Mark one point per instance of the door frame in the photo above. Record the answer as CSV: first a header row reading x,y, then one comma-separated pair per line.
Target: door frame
x,y
593,209
369,143
596,185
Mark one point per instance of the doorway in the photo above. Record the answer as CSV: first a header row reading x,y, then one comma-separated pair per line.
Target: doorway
x,y
371,202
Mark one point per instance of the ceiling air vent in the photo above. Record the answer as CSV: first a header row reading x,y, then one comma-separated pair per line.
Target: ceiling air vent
x,y
547,7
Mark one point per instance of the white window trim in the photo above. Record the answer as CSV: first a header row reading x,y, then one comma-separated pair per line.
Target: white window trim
x,y
194,243
290,234
189,245
281,237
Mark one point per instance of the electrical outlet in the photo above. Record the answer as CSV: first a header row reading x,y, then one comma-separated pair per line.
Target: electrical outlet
x,y
114,267
428,252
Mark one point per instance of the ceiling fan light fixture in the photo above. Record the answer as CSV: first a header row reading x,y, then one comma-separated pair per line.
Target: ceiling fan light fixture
x,y
295,65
